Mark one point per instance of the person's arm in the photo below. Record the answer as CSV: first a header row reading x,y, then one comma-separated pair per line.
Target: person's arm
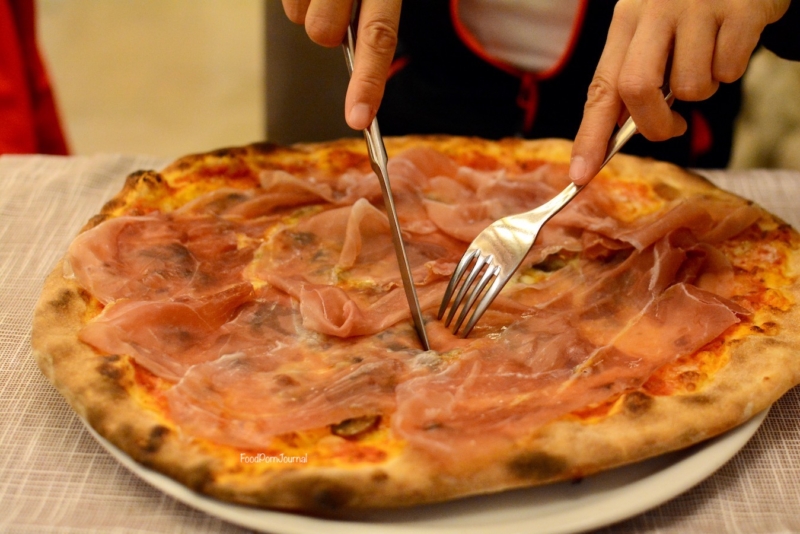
x,y
326,24
710,42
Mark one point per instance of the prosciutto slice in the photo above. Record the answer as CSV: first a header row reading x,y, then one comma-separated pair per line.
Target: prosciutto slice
x,y
168,337
491,397
333,311
157,257
245,400
281,309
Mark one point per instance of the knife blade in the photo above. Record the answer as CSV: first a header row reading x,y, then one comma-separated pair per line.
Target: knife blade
x,y
378,160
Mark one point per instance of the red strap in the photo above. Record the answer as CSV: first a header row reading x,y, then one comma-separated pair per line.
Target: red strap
x,y
528,97
528,100
397,65
27,107
702,139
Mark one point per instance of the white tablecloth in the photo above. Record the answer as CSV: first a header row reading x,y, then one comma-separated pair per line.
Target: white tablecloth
x,y
55,478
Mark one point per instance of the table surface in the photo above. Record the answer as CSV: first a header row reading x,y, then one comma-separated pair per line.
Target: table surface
x,y
54,477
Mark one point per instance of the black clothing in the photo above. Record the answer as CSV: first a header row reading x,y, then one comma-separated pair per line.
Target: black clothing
x,y
783,37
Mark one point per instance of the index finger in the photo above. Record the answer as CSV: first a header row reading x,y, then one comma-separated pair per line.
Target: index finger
x,y
376,41
326,22
642,77
603,103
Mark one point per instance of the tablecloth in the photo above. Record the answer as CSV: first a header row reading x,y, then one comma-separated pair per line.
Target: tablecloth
x,y
54,477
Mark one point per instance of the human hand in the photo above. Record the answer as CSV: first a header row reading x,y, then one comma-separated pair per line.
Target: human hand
x,y
326,24
709,42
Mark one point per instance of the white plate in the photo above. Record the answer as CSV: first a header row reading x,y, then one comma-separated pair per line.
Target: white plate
x,y
558,508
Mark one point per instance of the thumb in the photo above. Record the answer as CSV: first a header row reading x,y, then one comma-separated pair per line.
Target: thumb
x,y
603,107
376,40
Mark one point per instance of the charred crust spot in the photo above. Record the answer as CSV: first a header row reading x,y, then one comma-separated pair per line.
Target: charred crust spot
x,y
330,496
697,400
96,417
199,478
637,403
689,379
109,370
151,179
95,220
537,466
112,205
224,152
111,390
264,147
63,301
144,178
230,152
133,178
155,439
380,476
132,181
769,328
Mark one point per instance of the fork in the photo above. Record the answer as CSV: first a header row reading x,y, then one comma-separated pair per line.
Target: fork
x,y
500,248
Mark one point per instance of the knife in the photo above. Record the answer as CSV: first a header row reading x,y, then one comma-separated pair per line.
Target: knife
x,y
378,159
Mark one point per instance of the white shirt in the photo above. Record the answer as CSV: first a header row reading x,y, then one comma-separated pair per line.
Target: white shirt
x,y
531,35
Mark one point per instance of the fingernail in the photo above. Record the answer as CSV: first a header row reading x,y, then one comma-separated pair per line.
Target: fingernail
x,y
359,116
577,168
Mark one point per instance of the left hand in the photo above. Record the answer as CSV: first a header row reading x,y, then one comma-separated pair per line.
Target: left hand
x,y
711,41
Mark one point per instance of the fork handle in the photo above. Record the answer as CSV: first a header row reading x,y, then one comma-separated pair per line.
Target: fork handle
x,y
617,141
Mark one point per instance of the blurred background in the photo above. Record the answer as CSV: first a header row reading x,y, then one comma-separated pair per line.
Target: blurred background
x,y
157,77
171,77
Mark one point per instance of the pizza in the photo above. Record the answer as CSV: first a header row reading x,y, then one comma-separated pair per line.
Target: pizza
x,y
236,321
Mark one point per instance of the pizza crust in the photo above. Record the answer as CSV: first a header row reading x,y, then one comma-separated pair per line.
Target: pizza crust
x,y
760,369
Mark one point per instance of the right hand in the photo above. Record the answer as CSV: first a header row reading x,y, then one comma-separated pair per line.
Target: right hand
x,y
709,41
326,24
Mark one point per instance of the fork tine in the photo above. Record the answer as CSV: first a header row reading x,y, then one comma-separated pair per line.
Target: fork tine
x,y
480,262
485,302
490,273
511,238
466,259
